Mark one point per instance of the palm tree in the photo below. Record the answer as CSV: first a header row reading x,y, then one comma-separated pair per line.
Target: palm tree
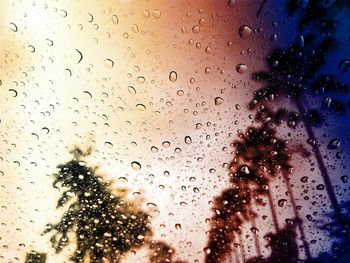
x,y
284,247
259,157
105,226
293,74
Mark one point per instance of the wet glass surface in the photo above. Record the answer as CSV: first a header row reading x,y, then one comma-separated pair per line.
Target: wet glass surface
x,y
174,131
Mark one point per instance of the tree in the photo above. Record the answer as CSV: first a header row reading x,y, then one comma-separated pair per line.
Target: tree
x,y
35,257
294,73
259,157
105,226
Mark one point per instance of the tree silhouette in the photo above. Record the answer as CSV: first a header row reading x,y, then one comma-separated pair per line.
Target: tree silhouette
x,y
259,157
104,225
284,247
340,250
294,74
35,257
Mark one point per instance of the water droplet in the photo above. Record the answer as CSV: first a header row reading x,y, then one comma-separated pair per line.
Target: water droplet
x,y
231,2
136,166
320,187
282,202
141,79
245,169
304,179
156,13
208,50
140,107
115,19
218,101
196,29
301,41
173,76
344,65
154,149
108,144
178,226
180,92
207,250
188,140
245,32
333,144
241,68
166,144
13,27
109,63
132,90
344,178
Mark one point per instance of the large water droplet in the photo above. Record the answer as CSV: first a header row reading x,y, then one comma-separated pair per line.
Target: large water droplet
x,y
173,76
241,68
136,166
333,144
344,65
188,140
196,29
245,31
218,101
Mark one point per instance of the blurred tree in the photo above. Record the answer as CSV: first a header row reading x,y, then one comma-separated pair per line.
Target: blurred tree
x,y
259,157
35,257
104,225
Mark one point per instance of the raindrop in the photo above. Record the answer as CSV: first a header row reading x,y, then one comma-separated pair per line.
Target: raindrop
x,y
207,250
245,32
188,140
344,65
231,2
136,166
132,90
13,27
241,68
173,76
166,144
31,48
115,19
178,226
154,149
140,107
208,50
218,101
89,17
304,179
245,169
80,56
344,178
108,144
180,92
196,29
141,79
156,13
333,144
320,187
49,42
14,92
282,202
109,63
